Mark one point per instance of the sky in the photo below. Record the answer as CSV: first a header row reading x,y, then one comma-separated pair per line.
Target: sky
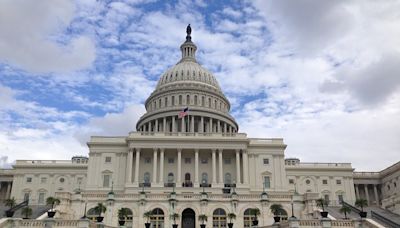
x,y
322,75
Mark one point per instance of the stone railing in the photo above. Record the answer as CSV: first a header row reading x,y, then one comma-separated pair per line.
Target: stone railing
x,y
342,223
310,222
21,223
205,134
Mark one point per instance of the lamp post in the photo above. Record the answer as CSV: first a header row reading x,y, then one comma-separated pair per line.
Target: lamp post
x,y
292,208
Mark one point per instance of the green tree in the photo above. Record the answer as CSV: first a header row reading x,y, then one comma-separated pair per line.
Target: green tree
x,y
27,212
345,210
123,213
361,203
100,208
203,218
231,216
52,201
276,209
147,215
322,203
10,202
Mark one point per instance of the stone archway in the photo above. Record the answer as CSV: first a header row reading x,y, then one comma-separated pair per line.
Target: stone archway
x,y
188,218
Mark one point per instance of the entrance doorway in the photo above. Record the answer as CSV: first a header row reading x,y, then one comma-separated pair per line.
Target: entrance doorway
x,y
188,218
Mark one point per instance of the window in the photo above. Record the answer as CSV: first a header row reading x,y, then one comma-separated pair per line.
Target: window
x,y
180,99
267,182
228,178
395,184
266,161
170,178
147,160
146,177
204,178
188,100
326,197
26,196
41,198
324,181
108,159
227,161
43,180
79,180
157,218
188,160
247,218
291,181
29,180
308,182
106,181
171,160
338,181
340,198
62,180
173,100
204,161
219,218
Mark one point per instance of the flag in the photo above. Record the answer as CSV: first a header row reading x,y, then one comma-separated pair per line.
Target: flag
x,y
183,113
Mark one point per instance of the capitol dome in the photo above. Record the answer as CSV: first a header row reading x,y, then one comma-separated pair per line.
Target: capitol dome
x,y
187,86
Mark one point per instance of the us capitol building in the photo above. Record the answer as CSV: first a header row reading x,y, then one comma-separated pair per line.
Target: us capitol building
x,y
187,162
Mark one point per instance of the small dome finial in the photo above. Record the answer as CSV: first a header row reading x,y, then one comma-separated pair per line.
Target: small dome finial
x,y
188,33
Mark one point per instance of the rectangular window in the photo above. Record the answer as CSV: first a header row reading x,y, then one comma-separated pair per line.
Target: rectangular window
x,y
29,180
108,159
43,180
266,161
188,160
26,196
41,198
227,161
267,182
324,181
171,160
106,181
204,161
291,181
338,181
147,160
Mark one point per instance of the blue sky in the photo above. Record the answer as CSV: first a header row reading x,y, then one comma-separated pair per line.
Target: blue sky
x,y
321,74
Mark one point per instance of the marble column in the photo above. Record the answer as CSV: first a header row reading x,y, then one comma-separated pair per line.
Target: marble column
x,y
202,125
129,162
192,125
356,190
164,124
366,193
8,193
218,126
179,166
210,126
245,167
183,124
149,126
196,167
161,179
154,180
156,126
214,167
225,129
173,124
221,175
376,195
238,167
137,166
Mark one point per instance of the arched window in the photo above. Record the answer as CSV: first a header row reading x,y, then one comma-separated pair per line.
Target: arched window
x,y
170,178
166,102
187,99
180,100
228,178
157,218
202,101
159,103
204,178
219,218
209,102
284,215
195,99
187,176
173,100
146,177
247,218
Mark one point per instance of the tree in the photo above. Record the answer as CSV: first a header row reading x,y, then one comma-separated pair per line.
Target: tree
x,y
276,209
361,203
27,212
123,213
345,210
10,202
203,218
52,201
231,216
147,215
100,208
322,203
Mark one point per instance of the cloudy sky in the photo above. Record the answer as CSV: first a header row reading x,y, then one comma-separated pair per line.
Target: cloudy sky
x,y
324,75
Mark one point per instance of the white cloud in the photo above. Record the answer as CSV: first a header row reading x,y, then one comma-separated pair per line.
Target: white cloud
x,y
29,32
